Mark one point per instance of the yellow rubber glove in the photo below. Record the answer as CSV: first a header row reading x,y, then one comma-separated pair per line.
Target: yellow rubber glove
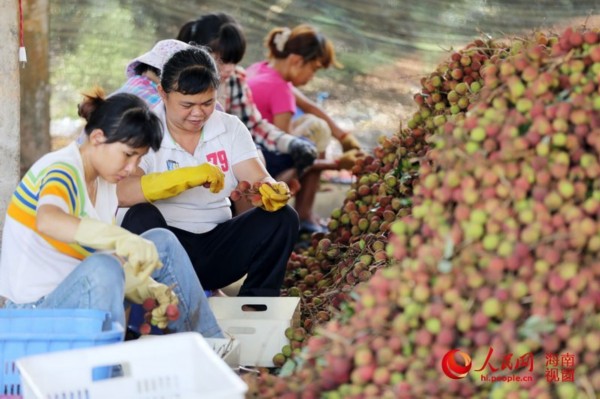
x,y
348,159
349,142
139,287
274,195
162,185
138,251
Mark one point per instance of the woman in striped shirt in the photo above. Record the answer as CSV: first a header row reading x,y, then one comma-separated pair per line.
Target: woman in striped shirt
x,y
60,247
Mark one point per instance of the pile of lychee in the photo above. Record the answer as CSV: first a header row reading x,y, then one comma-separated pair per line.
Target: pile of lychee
x,y
325,273
500,251
509,200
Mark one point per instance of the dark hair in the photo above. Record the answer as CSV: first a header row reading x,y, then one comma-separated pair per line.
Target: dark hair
x,y
190,71
303,40
141,68
218,31
123,117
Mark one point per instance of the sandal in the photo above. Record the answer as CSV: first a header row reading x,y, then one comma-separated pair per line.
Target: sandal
x,y
309,227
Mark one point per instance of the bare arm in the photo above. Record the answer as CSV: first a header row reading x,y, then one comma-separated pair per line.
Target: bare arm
x,y
310,107
129,190
283,121
252,170
56,223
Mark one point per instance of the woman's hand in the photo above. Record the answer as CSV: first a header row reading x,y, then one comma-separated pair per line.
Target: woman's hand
x,y
162,185
274,195
349,142
141,254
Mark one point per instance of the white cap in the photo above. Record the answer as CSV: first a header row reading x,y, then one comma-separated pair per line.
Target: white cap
x,y
158,56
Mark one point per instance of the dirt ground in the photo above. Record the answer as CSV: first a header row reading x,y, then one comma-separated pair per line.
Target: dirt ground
x,y
330,196
370,105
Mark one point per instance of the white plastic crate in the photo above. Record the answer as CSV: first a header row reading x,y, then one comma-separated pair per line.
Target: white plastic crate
x,y
228,349
181,366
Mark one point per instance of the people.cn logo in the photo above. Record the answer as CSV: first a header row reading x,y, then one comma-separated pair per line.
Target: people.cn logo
x,y
451,366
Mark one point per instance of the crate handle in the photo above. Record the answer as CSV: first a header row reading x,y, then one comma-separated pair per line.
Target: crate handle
x,y
251,307
110,371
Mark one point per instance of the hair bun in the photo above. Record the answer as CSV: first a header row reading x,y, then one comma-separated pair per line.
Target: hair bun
x,y
91,101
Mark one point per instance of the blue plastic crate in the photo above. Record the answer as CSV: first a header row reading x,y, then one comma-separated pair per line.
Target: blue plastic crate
x,y
34,331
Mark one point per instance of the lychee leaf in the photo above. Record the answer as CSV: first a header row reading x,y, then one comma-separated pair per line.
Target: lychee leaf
x,y
524,128
290,366
406,201
445,266
449,248
563,95
536,325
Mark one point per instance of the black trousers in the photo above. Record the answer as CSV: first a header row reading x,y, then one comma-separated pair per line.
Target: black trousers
x,y
257,243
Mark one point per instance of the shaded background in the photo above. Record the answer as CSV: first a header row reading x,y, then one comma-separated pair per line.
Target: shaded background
x,y
385,45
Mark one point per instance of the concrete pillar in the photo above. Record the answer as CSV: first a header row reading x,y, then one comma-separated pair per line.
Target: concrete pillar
x,y
9,103
35,85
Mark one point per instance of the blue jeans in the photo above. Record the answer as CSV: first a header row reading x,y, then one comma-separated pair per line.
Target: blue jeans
x,y
99,283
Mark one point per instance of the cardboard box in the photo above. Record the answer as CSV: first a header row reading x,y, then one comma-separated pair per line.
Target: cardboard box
x,y
261,331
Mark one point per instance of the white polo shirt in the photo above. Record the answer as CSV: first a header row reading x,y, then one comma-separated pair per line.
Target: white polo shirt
x,y
225,142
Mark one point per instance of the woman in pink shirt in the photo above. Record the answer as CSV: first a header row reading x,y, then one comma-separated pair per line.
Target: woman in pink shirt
x,y
294,56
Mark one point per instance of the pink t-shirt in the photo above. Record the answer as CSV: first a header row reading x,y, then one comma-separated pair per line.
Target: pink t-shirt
x,y
271,93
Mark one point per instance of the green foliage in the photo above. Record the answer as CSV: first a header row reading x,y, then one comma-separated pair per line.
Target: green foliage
x,y
99,57
363,62
91,41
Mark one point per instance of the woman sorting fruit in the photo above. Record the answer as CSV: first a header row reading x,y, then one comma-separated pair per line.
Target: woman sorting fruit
x,y
60,248
185,184
294,56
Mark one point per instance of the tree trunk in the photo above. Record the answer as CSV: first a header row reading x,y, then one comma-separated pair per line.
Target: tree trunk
x,y
35,85
9,104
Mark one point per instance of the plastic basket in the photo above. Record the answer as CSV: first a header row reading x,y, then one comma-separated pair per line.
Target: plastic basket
x,y
181,366
33,331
